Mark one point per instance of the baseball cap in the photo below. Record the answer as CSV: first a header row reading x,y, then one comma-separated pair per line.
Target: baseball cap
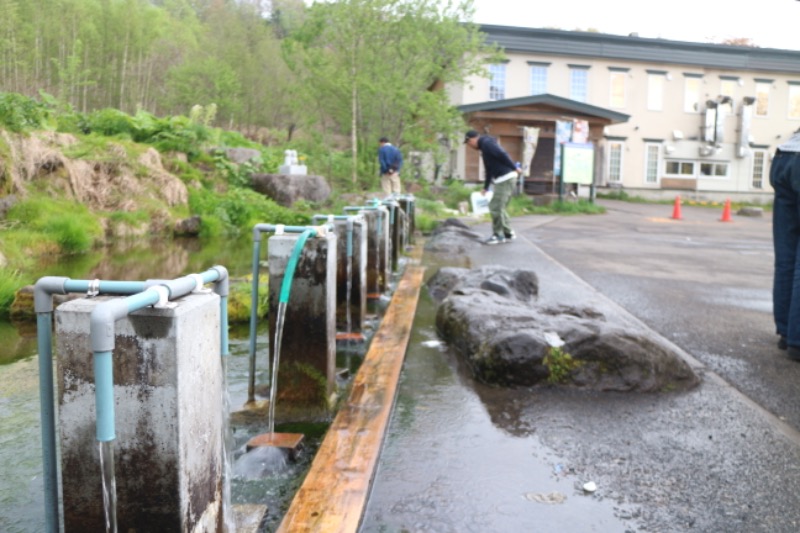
x,y
471,134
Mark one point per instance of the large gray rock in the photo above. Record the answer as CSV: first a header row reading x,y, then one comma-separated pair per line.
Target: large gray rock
x,y
491,317
189,226
453,238
286,189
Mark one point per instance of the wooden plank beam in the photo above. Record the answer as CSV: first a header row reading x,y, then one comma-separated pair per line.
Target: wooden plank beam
x,y
334,494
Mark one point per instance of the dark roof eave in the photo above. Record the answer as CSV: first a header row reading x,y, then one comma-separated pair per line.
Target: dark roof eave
x,y
566,104
634,48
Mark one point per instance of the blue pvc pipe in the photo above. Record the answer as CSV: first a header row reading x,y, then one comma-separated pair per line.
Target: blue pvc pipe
x,y
251,385
104,287
104,396
223,318
44,325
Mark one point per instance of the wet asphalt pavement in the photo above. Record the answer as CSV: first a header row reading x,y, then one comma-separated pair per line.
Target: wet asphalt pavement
x,y
724,457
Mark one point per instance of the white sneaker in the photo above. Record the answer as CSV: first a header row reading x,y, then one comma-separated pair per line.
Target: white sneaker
x,y
495,239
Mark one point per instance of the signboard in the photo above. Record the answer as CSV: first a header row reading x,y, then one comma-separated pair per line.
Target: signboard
x,y
578,163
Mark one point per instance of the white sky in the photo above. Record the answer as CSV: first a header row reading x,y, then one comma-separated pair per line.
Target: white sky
x,y
768,23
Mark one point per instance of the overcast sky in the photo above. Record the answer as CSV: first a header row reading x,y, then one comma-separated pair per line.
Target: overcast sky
x,y
768,23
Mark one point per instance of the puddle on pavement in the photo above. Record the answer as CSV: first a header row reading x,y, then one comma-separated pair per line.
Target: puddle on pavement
x,y
455,460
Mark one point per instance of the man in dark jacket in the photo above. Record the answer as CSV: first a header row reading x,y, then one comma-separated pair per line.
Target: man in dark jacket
x,y
501,176
391,161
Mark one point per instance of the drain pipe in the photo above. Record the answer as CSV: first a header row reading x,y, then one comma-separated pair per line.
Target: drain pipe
x,y
258,229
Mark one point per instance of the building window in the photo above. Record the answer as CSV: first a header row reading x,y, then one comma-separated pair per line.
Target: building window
x,y
578,83
759,168
715,170
651,152
680,169
691,94
655,91
794,100
497,81
538,79
617,89
762,98
615,149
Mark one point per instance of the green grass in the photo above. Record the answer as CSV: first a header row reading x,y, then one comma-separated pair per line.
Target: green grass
x,y
70,226
524,205
10,281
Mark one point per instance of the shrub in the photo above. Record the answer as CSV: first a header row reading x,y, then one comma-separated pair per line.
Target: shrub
x,y
238,210
19,113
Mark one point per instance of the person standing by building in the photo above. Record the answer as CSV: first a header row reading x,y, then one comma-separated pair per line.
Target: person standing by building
x,y
391,161
784,176
501,176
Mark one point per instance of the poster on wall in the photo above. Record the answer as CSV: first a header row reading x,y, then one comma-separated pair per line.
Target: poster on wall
x,y
580,131
578,164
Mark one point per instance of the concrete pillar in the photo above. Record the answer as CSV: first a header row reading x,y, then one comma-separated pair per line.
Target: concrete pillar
x,y
307,371
169,417
358,281
394,232
407,204
378,250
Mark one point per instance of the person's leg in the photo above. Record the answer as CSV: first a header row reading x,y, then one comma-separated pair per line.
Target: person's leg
x,y
505,220
785,221
396,183
386,183
496,210
792,243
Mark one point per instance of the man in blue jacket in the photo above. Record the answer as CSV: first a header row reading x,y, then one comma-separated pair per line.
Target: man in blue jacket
x,y
501,176
391,161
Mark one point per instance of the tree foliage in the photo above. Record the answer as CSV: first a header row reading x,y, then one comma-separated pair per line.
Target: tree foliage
x,y
344,72
370,66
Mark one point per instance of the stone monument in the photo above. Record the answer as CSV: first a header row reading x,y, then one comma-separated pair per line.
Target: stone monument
x,y
291,165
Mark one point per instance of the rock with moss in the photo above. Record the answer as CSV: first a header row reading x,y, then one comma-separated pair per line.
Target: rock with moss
x,y
492,318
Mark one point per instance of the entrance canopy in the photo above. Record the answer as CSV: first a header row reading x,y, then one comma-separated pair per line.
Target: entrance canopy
x,y
505,120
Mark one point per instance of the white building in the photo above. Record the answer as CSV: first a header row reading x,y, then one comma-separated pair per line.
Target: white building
x,y
664,116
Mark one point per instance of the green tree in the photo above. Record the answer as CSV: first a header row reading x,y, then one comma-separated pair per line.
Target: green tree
x,y
371,64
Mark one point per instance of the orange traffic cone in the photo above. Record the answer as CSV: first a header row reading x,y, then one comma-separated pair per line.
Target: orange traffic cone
x,y
726,211
676,211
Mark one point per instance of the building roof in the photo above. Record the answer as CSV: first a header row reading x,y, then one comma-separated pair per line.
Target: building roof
x,y
569,106
648,50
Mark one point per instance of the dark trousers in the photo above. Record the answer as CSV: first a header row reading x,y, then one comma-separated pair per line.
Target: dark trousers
x,y
784,177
